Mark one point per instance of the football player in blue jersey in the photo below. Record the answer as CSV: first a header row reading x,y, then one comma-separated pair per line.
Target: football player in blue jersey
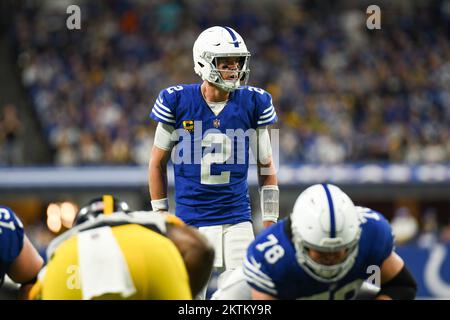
x,y
325,249
18,258
211,125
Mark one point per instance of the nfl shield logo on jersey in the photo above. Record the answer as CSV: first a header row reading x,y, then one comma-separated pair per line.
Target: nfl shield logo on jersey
x,y
216,123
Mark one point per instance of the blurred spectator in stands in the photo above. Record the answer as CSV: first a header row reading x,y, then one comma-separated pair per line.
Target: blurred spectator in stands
x,y
404,226
11,132
445,234
90,151
429,233
143,140
65,154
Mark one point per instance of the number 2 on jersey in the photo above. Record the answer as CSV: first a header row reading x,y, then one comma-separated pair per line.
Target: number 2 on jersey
x,y
218,157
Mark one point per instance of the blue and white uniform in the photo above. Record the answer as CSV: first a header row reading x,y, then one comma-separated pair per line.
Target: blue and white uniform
x,y
211,180
271,265
11,239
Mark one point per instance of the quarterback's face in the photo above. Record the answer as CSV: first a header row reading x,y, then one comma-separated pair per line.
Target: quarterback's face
x,y
328,258
229,67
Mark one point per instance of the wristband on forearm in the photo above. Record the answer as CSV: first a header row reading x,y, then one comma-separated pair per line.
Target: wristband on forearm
x,y
270,203
160,204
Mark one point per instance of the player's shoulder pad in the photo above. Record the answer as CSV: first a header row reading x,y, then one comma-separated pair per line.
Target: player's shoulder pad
x,y
173,92
259,95
153,220
11,234
378,233
265,112
165,107
8,217
373,218
172,95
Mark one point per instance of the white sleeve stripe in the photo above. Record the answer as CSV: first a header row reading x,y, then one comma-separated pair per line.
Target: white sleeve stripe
x,y
162,111
162,117
252,276
268,120
267,115
266,283
251,266
271,291
257,283
268,109
159,103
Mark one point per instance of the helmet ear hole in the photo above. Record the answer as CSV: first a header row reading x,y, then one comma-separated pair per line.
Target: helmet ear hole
x,y
200,64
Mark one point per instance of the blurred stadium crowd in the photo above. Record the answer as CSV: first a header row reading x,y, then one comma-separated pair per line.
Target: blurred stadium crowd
x,y
342,92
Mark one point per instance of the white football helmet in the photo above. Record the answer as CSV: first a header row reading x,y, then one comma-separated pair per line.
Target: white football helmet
x,y
216,42
325,219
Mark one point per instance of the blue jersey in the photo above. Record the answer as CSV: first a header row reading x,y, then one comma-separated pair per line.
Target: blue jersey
x,y
211,155
11,239
271,265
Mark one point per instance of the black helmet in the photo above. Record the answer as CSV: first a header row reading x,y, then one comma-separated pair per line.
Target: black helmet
x,y
104,205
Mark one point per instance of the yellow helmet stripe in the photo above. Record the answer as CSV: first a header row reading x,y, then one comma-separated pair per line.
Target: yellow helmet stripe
x,y
108,202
